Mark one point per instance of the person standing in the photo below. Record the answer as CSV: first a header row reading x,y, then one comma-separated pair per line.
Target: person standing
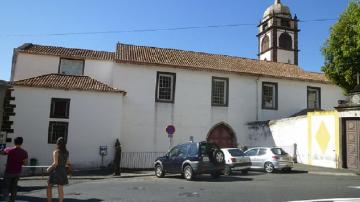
x,y
16,158
57,170
117,158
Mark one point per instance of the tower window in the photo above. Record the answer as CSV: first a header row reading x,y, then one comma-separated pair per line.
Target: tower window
x,y
285,22
265,26
265,44
285,41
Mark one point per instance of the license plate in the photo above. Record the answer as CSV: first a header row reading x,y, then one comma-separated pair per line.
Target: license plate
x,y
205,158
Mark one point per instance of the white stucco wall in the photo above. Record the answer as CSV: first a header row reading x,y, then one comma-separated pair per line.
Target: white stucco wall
x,y
100,70
95,119
285,56
316,135
266,56
192,114
28,66
292,97
145,120
287,132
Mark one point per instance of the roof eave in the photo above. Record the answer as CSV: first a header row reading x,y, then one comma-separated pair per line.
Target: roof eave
x,y
68,89
226,71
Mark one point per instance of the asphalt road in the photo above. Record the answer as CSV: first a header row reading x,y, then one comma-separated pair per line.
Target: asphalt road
x,y
255,186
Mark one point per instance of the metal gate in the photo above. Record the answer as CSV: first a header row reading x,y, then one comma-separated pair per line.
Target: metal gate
x,y
352,144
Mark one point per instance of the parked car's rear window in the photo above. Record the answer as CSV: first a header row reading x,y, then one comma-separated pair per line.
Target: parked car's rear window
x,y
193,151
236,152
278,151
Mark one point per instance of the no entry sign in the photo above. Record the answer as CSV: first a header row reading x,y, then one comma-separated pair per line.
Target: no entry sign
x,y
170,130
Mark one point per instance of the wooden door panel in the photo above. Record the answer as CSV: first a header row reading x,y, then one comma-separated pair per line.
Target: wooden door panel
x,y
352,144
222,137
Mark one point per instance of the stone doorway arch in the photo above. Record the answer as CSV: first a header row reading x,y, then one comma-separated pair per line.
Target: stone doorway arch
x,y
223,135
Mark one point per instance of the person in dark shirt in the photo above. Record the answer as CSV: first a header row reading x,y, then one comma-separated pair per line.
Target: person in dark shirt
x,y
16,158
117,158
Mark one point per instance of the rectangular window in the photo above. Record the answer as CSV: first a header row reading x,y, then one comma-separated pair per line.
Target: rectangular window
x,y
220,91
59,108
165,87
57,129
269,95
71,67
313,97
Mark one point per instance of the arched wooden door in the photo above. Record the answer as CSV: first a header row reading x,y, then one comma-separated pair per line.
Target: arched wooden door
x,y
222,135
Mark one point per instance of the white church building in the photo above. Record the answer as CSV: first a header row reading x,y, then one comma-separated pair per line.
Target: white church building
x,y
94,97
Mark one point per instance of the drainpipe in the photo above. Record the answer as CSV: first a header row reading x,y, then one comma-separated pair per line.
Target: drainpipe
x,y
257,98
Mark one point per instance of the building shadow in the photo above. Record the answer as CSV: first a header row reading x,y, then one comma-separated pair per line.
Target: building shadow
x,y
291,172
30,188
40,199
208,178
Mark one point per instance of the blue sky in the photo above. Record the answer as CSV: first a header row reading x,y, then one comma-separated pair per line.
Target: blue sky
x,y
41,17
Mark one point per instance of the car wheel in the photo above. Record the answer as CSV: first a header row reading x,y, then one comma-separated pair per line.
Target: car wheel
x,y
245,171
269,167
188,173
227,170
219,157
215,174
159,171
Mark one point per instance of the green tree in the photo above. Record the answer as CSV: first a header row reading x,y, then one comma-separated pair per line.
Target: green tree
x,y
342,49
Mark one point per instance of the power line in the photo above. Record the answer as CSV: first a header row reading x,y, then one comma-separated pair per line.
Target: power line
x,y
319,20
152,29
130,31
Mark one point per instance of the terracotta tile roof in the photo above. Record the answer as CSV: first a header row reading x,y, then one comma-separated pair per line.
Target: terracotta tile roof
x,y
198,61
67,82
212,62
65,52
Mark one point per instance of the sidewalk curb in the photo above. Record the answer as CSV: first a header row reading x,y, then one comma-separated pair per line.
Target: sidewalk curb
x,y
332,173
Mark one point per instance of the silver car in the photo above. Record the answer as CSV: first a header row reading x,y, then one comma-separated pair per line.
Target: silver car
x,y
269,159
235,159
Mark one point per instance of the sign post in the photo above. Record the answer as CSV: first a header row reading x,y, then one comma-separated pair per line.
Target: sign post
x,y
102,152
170,130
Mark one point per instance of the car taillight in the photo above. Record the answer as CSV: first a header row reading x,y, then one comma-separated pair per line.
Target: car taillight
x,y
276,158
233,159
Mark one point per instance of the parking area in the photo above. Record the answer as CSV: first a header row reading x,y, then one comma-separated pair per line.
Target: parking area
x,y
254,186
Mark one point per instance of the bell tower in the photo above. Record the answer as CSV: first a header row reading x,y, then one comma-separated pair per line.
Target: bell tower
x,y
278,35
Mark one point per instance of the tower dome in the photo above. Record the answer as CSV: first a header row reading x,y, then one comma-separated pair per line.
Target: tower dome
x,y
277,9
278,35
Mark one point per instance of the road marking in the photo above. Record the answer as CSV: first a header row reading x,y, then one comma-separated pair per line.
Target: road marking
x,y
354,187
332,199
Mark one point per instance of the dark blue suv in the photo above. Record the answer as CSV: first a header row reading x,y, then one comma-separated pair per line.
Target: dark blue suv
x,y
191,159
